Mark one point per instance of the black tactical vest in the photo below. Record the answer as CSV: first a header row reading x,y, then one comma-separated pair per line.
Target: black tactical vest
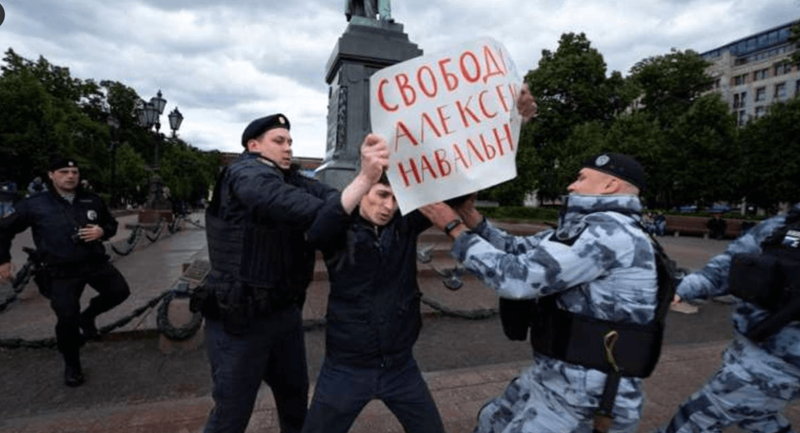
x,y
771,279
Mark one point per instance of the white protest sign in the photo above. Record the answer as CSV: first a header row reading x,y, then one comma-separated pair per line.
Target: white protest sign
x,y
450,120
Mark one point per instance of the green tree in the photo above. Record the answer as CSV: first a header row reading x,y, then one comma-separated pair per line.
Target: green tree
x,y
46,111
670,83
638,134
694,154
770,145
571,89
707,159
131,176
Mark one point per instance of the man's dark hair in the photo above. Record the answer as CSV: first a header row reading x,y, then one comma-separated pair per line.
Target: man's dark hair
x,y
384,180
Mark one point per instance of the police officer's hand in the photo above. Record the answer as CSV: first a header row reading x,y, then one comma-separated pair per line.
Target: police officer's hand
x,y
526,104
374,157
440,214
466,210
90,232
6,271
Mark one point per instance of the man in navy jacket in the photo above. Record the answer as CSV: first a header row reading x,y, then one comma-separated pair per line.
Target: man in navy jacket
x,y
373,317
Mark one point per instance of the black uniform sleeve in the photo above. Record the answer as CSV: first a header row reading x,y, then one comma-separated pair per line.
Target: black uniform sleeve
x,y
106,221
10,225
314,187
267,196
329,226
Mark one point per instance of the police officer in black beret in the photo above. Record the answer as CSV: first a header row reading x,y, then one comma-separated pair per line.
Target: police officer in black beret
x,y
261,266
68,225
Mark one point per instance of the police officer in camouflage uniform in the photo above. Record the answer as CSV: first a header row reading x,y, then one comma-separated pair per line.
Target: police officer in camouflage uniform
x,y
760,372
261,266
597,270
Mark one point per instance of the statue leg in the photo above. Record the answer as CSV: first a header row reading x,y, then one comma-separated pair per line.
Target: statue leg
x,y
385,10
370,9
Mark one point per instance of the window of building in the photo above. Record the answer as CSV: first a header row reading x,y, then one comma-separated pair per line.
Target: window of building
x,y
760,75
739,79
739,100
761,94
780,91
742,118
797,88
717,83
760,111
783,68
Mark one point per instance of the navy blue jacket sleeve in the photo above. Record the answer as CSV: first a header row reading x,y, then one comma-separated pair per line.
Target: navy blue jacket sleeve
x,y
267,196
106,221
329,227
12,224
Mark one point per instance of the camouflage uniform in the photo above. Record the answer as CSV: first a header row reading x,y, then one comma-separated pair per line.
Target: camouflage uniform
x,y
756,380
598,263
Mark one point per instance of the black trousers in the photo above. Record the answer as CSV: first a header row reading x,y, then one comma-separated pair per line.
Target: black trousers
x,y
272,350
65,287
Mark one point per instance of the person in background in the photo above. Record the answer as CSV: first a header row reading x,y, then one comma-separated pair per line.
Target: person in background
x,y
69,226
760,371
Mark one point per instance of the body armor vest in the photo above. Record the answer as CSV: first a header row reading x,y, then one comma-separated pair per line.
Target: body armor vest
x,y
626,349
274,256
771,279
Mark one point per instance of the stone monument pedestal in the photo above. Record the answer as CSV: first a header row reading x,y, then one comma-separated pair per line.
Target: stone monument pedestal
x,y
365,47
154,216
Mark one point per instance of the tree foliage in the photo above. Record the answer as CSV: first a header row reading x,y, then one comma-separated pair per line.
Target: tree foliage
x,y
770,167
47,111
571,88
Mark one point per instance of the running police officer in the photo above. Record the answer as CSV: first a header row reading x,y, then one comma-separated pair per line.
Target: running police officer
x,y
591,294
68,226
261,266
760,371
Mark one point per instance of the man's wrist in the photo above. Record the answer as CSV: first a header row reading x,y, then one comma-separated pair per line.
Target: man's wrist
x,y
449,227
456,232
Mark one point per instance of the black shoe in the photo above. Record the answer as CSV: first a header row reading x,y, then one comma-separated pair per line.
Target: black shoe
x,y
73,376
89,329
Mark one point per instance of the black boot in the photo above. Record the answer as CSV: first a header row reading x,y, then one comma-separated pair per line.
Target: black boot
x,y
73,374
88,328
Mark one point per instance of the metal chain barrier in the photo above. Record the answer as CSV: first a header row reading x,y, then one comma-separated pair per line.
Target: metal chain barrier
x,y
130,243
162,320
20,280
157,231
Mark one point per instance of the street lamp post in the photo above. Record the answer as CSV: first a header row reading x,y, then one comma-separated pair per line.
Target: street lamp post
x,y
149,114
113,125
175,120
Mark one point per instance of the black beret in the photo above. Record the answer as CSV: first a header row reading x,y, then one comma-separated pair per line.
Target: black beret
x,y
58,162
618,165
262,125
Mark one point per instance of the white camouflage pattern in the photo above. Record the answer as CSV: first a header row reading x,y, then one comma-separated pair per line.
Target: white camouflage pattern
x,y
755,381
598,263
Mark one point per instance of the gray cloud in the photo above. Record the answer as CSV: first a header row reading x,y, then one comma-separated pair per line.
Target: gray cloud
x,y
225,63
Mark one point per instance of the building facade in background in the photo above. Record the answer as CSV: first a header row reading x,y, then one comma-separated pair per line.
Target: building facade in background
x,y
754,72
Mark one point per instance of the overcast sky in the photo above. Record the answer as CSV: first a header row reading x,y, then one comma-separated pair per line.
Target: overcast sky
x,y
226,63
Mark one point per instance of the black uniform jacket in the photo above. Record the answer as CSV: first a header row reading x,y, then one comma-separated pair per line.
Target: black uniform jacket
x,y
373,316
256,226
54,222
